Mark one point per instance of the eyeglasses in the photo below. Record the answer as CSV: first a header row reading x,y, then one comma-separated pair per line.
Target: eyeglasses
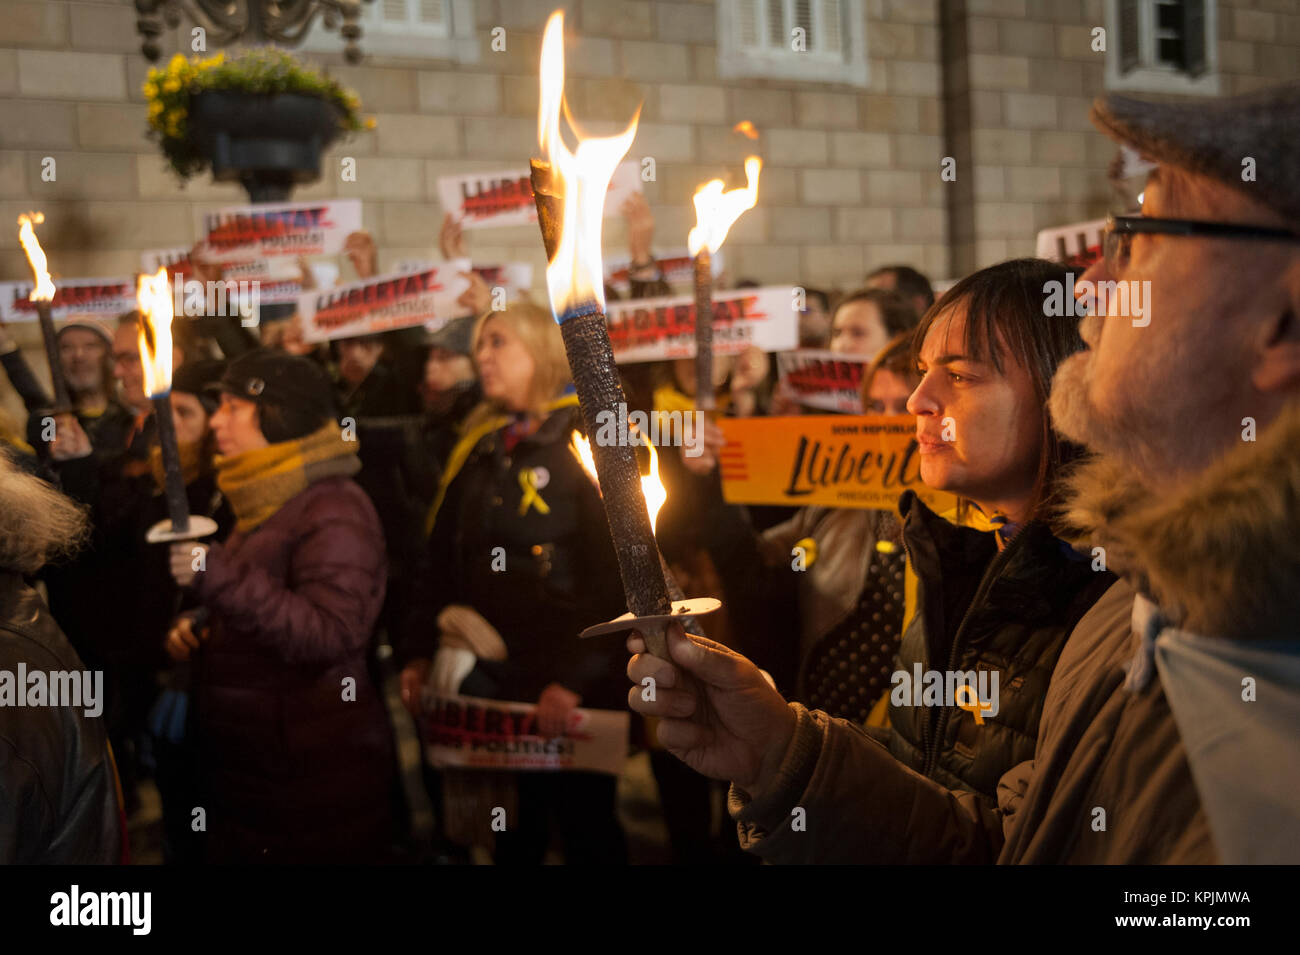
x,y
1118,236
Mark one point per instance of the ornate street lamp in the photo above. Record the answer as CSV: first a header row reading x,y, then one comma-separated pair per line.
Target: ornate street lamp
x,y
283,22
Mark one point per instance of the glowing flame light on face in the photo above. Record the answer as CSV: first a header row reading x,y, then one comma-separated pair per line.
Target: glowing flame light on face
x,y
717,211
653,488
575,275
154,297
44,290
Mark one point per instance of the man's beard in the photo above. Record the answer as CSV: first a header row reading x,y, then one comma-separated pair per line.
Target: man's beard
x,y
1077,418
83,380
1073,415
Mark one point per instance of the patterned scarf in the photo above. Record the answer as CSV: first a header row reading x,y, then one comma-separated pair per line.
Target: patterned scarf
x,y
258,483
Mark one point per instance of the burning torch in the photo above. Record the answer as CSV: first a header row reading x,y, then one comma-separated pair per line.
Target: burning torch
x,y
569,188
715,213
43,295
153,296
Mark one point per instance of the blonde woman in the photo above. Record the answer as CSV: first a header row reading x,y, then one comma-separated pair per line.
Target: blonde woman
x,y
518,534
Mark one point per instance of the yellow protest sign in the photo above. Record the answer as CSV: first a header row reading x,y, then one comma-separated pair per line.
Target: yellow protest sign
x,y
863,461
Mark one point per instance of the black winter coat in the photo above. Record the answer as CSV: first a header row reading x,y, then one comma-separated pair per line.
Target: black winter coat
x,y
1008,612
58,803
560,571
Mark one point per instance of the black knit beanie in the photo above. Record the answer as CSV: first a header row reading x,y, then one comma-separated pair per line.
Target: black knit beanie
x,y
292,393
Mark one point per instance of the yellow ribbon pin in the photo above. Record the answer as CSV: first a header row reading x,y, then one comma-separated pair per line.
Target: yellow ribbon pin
x,y
809,547
531,498
970,701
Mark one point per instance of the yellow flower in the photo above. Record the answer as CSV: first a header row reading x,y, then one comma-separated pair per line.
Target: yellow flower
x,y
177,63
155,109
172,86
150,89
370,122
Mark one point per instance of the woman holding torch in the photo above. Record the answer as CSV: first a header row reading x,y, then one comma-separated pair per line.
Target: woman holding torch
x,y
519,545
296,748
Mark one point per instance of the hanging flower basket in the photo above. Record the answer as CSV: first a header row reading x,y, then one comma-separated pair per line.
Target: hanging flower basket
x,y
262,119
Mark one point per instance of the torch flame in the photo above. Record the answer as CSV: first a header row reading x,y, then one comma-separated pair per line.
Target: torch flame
x,y
717,211
575,275
44,290
745,128
651,487
154,297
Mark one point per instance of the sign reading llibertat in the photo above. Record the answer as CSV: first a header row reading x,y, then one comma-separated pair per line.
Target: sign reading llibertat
x,y
863,461
483,200
475,733
677,266
278,280
654,329
104,298
825,380
384,303
243,233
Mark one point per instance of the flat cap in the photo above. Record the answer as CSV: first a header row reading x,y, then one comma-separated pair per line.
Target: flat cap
x,y
1214,137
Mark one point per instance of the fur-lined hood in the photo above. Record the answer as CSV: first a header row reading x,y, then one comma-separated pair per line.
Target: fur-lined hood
x,y
1221,557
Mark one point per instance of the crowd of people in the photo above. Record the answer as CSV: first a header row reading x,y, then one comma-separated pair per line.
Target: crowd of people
x,y
407,510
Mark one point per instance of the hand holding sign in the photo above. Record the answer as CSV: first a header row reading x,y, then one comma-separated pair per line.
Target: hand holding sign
x,y
476,299
640,227
451,238
553,709
360,249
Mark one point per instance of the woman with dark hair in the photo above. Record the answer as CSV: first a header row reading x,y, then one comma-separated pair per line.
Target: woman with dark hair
x,y
865,321
296,747
994,605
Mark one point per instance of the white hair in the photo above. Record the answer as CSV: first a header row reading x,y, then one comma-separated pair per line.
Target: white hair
x,y
37,522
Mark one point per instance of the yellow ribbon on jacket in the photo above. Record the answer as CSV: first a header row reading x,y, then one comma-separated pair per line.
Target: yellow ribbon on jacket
x,y
528,484
466,444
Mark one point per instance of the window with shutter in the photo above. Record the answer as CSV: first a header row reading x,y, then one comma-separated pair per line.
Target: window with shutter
x,y
1195,36
813,40
1129,39
1163,46
425,29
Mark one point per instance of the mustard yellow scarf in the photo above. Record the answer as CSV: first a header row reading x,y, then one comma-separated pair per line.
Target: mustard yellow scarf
x,y
192,464
258,483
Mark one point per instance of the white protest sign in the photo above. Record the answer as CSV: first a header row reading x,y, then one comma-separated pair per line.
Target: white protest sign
x,y
654,329
1077,245
383,303
822,379
475,733
278,280
678,267
482,200
106,297
244,233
